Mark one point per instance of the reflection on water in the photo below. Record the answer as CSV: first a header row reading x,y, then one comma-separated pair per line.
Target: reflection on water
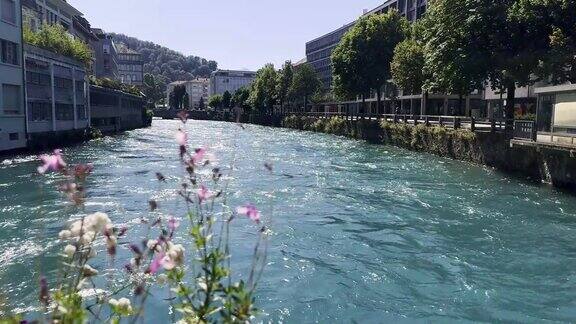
x,y
362,233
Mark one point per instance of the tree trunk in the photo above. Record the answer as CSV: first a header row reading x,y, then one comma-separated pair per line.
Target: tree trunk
x,y
510,100
305,103
460,104
379,101
363,106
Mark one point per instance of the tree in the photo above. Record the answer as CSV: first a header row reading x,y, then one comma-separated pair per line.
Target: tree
x,y
284,83
215,101
240,98
227,100
177,97
153,88
201,104
305,83
361,61
407,66
454,60
263,95
186,101
555,21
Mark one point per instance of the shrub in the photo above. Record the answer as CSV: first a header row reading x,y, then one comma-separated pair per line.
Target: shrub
x,y
336,125
55,38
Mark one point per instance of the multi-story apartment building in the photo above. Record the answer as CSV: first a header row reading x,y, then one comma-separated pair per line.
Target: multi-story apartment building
x,y
229,80
130,66
12,112
38,12
197,90
56,94
319,50
105,55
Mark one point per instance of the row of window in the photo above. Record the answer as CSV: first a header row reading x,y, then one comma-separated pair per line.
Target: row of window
x,y
130,67
42,111
9,52
8,11
11,99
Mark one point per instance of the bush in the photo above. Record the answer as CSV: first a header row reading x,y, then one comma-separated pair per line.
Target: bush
x,y
336,125
115,85
55,38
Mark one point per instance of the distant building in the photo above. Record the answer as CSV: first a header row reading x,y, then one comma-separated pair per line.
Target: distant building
x,y
229,80
130,66
12,112
197,90
56,94
105,55
113,111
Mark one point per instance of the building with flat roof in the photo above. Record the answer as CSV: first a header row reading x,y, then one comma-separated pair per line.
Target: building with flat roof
x,y
56,94
197,90
130,66
105,55
230,80
12,111
38,12
319,50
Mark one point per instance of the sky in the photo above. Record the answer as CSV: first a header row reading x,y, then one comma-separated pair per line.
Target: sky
x,y
238,34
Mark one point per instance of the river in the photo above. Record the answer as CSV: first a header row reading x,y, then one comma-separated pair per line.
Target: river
x,y
361,233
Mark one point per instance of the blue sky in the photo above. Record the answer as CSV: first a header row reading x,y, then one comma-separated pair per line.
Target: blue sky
x,y
238,34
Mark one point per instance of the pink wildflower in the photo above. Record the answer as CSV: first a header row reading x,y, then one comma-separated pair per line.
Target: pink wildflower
x,y
199,155
204,194
53,162
181,137
156,263
250,211
173,223
82,170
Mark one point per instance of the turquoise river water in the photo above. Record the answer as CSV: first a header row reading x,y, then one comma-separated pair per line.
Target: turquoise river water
x,y
361,233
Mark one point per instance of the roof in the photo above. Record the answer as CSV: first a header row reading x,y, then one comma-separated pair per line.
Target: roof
x,y
175,83
302,61
556,89
67,7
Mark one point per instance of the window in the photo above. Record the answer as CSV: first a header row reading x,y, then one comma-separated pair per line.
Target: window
x,y
64,112
11,99
14,136
106,49
39,111
8,10
81,112
9,52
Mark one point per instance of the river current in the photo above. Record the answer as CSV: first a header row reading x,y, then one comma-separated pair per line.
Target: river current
x,y
361,233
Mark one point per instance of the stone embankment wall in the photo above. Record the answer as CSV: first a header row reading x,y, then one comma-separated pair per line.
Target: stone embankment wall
x,y
551,166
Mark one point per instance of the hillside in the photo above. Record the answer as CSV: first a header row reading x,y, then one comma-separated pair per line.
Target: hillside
x,y
162,61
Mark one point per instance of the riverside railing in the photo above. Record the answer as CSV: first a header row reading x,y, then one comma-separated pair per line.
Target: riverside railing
x,y
455,122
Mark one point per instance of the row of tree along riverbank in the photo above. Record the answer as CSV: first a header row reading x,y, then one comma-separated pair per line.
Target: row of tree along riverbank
x,y
452,139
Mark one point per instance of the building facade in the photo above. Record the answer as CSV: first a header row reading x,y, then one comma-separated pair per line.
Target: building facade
x,y
105,55
319,50
114,111
12,111
56,94
38,12
197,90
229,80
130,66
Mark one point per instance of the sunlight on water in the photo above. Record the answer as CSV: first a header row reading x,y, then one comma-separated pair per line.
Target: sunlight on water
x,y
362,233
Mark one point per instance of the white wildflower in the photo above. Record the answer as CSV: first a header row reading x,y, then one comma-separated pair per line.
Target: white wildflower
x,y
69,250
88,271
64,235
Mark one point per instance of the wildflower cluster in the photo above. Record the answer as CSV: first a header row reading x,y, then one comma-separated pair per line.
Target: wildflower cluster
x,y
196,272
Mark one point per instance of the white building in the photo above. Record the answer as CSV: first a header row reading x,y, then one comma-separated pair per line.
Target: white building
x,y
229,80
12,112
198,91
38,12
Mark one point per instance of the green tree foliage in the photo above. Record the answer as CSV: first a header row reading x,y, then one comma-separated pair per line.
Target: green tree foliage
x,y
215,101
285,82
305,83
454,59
55,39
227,100
263,92
361,61
162,61
555,22
186,101
177,96
153,87
240,98
407,66
115,85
